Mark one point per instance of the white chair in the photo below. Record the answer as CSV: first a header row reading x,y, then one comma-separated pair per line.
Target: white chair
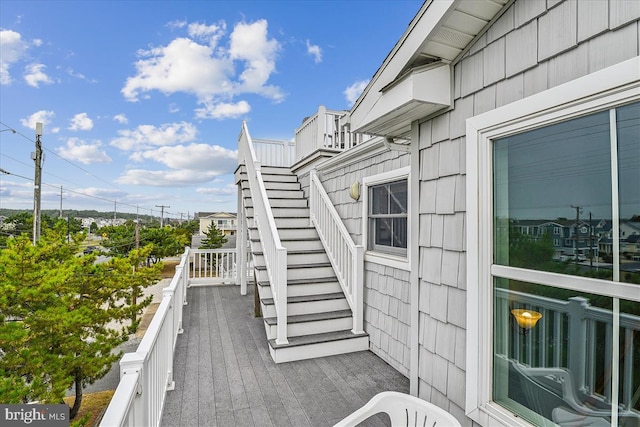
x,y
404,410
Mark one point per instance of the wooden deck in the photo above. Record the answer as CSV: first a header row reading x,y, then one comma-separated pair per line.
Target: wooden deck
x,y
225,376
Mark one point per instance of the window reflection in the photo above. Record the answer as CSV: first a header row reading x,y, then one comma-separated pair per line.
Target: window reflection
x,y
560,370
553,197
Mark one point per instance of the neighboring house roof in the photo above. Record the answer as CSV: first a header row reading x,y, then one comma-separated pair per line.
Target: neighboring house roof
x,y
414,80
216,215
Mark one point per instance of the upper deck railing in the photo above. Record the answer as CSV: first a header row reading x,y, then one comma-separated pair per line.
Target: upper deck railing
x,y
328,130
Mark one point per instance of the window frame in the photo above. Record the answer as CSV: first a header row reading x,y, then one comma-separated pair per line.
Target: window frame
x,y
607,88
390,259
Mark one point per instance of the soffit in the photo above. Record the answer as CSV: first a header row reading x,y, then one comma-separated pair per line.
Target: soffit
x,y
438,34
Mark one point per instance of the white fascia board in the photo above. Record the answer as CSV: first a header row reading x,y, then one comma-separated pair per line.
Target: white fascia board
x,y
425,22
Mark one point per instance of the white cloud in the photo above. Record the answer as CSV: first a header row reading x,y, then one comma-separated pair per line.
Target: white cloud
x,y
41,116
34,75
81,121
197,157
213,74
250,43
13,50
37,42
182,66
353,92
164,178
227,190
148,136
223,110
84,152
208,33
121,118
315,51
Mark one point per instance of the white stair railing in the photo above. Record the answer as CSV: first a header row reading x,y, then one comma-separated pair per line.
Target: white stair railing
x,y
346,257
275,255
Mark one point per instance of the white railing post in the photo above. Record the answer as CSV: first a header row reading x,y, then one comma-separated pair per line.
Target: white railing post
x,y
179,298
241,245
134,363
170,294
358,290
281,266
321,128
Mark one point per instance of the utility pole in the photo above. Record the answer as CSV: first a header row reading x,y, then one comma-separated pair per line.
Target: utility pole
x,y
37,157
162,213
115,209
61,202
575,239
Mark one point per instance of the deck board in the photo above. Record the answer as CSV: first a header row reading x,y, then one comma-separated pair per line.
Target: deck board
x,y
224,374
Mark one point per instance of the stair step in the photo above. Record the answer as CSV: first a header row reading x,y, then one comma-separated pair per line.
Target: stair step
x,y
310,324
280,203
307,304
271,177
301,287
281,222
285,212
276,185
292,245
318,345
301,257
301,271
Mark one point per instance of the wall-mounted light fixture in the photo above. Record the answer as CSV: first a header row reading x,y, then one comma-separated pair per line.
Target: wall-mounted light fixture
x,y
354,190
526,319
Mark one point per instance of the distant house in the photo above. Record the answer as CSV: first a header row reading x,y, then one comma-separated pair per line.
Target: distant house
x,y
485,116
224,221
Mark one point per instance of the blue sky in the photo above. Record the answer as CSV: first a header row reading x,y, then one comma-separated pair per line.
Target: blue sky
x,y
142,102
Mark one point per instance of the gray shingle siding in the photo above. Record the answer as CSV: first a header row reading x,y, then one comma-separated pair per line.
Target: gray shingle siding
x,y
387,292
533,46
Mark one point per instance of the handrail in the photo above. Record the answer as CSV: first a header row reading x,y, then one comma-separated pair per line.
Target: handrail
x,y
346,257
215,266
138,400
275,255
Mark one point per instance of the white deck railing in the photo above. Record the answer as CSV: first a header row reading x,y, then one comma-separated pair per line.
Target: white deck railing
x,y
327,129
346,257
147,374
215,266
569,330
275,255
274,153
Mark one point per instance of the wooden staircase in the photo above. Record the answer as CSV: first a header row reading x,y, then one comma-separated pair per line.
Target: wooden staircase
x,y
319,320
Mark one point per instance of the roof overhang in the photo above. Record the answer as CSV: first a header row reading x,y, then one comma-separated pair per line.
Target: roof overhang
x,y
414,81
417,94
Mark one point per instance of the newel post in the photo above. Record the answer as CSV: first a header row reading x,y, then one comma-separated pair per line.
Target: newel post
x,y
241,246
358,290
132,363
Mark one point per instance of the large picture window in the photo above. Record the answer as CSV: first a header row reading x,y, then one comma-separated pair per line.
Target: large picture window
x,y
554,316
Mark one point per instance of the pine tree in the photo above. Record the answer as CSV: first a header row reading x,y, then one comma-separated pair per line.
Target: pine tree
x,y
215,238
62,316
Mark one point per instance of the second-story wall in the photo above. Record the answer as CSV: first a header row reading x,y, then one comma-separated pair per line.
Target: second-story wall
x,y
386,288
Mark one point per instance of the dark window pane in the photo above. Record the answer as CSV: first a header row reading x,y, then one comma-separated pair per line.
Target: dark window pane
x,y
628,129
400,232
382,231
557,179
398,194
379,200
